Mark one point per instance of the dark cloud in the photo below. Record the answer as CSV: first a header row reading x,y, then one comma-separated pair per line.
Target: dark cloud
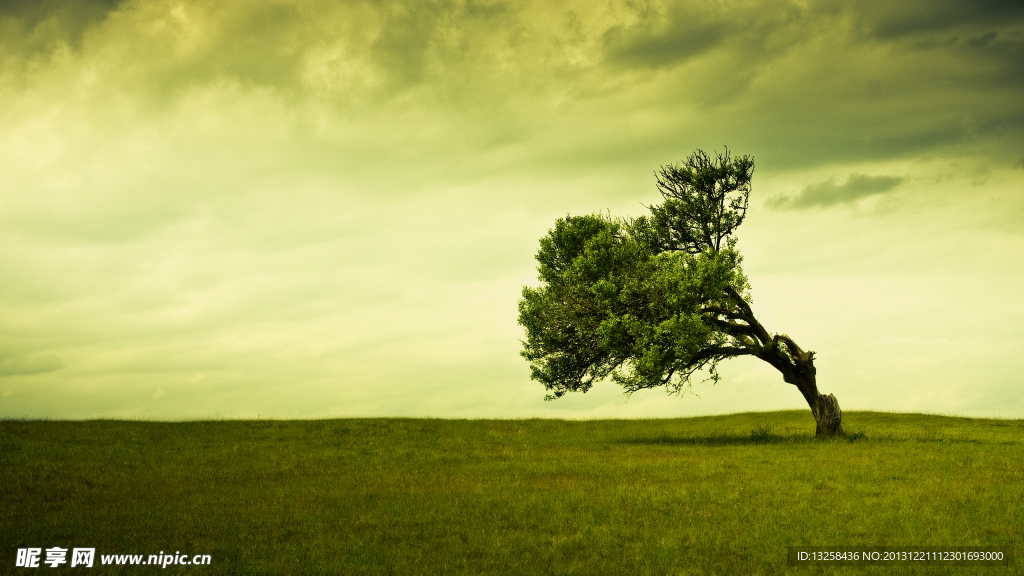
x,y
38,26
260,46
829,97
829,193
32,12
28,365
407,40
664,39
805,83
662,49
893,20
429,41
982,40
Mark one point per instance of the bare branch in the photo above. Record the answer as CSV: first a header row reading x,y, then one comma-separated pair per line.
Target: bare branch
x,y
747,315
794,350
723,312
668,376
731,328
721,352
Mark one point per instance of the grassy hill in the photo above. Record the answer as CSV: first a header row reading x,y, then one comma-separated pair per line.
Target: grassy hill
x,y
709,495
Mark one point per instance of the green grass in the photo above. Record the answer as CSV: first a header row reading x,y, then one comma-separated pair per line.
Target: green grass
x,y
711,495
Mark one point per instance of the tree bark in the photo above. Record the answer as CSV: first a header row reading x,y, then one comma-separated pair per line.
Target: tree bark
x,y
827,415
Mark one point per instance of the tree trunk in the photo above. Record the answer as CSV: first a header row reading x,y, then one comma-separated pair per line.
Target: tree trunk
x,y
828,416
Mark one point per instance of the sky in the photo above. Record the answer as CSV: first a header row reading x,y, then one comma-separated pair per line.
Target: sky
x,y
314,209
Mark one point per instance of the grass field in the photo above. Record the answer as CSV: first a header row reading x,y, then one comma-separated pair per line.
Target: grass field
x,y
710,495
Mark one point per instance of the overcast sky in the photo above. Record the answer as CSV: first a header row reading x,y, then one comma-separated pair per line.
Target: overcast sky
x,y
315,209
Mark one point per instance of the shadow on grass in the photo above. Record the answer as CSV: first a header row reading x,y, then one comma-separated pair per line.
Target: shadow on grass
x,y
762,436
762,433
721,440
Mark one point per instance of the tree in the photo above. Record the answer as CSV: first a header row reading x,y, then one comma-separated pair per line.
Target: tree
x,y
655,300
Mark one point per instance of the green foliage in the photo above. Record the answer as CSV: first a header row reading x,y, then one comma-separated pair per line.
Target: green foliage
x,y
630,299
705,201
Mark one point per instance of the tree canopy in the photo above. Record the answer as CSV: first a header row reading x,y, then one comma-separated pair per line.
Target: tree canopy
x,y
652,301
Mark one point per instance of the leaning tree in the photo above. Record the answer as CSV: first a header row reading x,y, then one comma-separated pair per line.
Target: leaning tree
x,y
654,300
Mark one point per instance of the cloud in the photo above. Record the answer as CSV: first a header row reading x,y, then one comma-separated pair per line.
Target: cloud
x,y
303,203
662,43
890,20
28,365
809,83
829,193
982,40
40,26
